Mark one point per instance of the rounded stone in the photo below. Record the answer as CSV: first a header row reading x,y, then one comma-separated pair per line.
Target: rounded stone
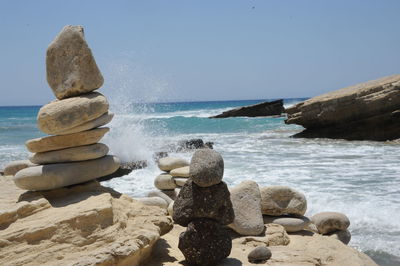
x,y
290,223
180,181
180,172
13,167
279,200
62,115
97,122
171,209
153,201
328,222
343,235
259,255
170,163
71,67
205,242
80,153
206,168
194,202
53,143
157,193
246,202
164,182
51,176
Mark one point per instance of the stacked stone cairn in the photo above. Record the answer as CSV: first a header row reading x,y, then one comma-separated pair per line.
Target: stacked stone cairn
x,y
72,154
204,207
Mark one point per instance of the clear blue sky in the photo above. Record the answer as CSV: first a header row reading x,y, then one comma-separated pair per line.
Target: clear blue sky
x,y
205,50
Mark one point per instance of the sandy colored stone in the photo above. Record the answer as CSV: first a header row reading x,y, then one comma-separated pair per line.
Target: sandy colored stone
x,y
171,163
62,115
97,122
246,202
81,225
164,181
180,172
80,153
278,200
52,176
206,167
180,181
71,67
290,223
52,143
328,222
153,201
156,193
170,209
13,167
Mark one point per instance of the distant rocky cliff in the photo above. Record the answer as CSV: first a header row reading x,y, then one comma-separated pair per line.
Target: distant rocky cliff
x,y
366,111
255,110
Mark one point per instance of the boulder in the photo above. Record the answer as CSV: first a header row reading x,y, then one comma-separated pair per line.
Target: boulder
x,y
97,122
170,163
205,242
246,202
255,110
343,235
180,181
13,167
53,143
71,68
180,172
194,202
80,153
328,222
62,115
278,200
85,224
164,181
259,255
291,223
153,201
206,168
366,111
51,176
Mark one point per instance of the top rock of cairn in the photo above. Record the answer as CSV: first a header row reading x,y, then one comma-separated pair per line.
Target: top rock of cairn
x,y
71,67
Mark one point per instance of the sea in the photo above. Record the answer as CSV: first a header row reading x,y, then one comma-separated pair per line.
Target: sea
x,y
358,178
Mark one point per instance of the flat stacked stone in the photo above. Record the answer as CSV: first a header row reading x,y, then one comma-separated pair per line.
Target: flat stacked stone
x,y
204,206
72,154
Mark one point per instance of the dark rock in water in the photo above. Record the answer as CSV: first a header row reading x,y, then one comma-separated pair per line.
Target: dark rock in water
x,y
206,167
194,144
260,109
367,111
259,255
203,202
124,169
205,242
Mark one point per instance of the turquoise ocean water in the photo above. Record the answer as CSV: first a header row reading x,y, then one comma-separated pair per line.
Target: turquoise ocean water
x,y
358,178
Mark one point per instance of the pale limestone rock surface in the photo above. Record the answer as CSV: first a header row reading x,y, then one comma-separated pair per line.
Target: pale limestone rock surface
x,y
81,225
291,223
97,122
278,200
53,143
153,201
13,167
180,181
170,163
71,67
180,172
164,182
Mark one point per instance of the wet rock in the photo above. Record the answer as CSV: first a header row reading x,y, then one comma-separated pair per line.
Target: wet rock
x,y
259,255
206,167
279,200
328,222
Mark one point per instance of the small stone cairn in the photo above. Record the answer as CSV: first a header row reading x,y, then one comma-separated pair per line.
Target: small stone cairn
x,y
204,206
72,154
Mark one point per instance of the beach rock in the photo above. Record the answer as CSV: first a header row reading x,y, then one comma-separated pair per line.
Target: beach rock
x,y
180,181
205,242
171,209
164,181
278,200
156,193
62,115
170,163
97,122
260,109
206,168
51,176
343,235
153,201
71,67
180,172
203,202
246,202
290,223
192,144
328,222
274,235
53,143
85,224
366,111
80,153
13,167
259,255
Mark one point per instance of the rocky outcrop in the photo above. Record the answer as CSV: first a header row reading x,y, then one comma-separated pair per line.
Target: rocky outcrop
x,y
260,109
81,225
367,111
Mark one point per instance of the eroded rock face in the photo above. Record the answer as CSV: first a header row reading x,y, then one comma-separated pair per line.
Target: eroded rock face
x,y
71,67
366,111
278,200
206,167
80,225
205,242
198,202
